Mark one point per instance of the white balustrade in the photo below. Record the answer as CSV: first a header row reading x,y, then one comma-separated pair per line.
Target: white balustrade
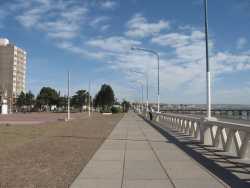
x,y
210,132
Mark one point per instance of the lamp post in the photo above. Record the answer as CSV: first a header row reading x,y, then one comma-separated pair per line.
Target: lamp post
x,y
140,96
208,76
158,71
89,98
205,133
147,87
68,115
142,105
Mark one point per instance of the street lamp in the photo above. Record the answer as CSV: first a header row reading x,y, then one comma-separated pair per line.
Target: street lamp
x,y
158,67
89,98
140,96
208,76
147,87
68,114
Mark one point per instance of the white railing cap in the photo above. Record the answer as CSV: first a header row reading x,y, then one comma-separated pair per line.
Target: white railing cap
x,y
231,125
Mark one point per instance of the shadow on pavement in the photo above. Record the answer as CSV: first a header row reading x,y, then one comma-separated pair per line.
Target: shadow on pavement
x,y
225,167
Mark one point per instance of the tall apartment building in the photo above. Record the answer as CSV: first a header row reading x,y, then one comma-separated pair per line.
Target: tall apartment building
x,y
12,71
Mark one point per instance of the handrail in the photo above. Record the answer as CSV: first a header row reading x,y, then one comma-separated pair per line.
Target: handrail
x,y
210,132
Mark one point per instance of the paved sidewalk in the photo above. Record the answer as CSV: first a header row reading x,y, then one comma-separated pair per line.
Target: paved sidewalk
x,y
135,155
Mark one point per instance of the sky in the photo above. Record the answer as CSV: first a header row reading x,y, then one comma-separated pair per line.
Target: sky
x,y
93,38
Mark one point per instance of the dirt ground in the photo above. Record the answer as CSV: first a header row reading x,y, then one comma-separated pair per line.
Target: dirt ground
x,y
36,117
50,155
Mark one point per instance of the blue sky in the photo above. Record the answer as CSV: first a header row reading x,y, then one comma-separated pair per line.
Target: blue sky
x,y
92,39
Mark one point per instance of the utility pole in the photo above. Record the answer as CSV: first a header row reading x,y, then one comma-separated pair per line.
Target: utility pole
x,y
68,118
89,98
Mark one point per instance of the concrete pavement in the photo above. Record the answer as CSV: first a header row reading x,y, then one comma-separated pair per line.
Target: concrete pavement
x,y
135,155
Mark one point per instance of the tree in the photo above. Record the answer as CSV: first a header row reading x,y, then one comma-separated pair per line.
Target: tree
x,y
125,105
21,100
29,98
62,101
105,98
80,99
25,99
47,97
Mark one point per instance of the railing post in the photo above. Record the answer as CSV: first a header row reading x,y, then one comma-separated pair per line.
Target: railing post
x,y
197,130
157,118
229,140
205,134
244,146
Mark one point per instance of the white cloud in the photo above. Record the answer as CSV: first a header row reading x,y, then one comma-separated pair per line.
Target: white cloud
x,y
241,43
105,27
172,40
232,96
97,21
100,23
108,4
113,44
187,47
139,27
67,17
225,62
81,51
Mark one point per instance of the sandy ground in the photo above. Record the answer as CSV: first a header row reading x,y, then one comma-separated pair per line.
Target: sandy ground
x,y
36,117
50,154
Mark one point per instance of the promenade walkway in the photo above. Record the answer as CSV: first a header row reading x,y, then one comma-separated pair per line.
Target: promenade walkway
x,y
135,155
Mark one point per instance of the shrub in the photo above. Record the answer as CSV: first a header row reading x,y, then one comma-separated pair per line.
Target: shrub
x,y
116,110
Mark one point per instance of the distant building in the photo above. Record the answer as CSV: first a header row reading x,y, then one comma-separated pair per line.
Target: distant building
x,y
12,71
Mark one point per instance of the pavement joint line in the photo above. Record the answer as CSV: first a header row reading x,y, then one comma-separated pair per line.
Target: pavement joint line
x,y
151,147
124,161
166,129
137,140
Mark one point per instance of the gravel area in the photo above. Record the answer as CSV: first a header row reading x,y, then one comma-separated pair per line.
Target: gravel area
x,y
51,154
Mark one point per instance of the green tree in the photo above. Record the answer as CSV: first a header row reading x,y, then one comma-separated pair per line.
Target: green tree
x,y
62,101
80,99
125,105
29,100
48,97
105,98
25,99
21,100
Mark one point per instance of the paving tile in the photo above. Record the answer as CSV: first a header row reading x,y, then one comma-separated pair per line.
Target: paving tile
x,y
185,170
164,146
143,170
108,155
139,145
96,183
142,155
103,170
197,183
172,156
147,184
114,145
